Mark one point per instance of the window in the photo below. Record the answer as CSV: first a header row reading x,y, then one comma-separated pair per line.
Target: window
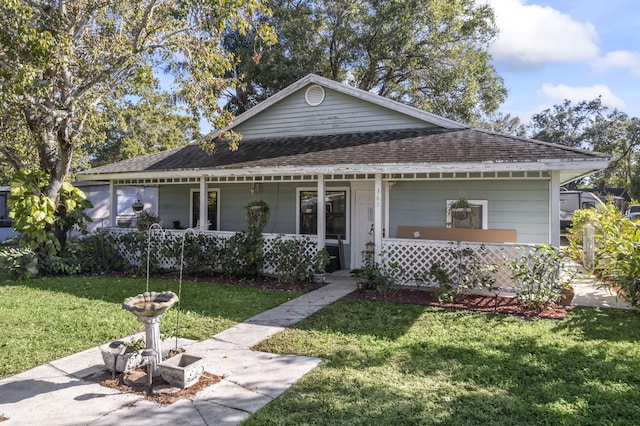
x,y
474,218
212,209
335,206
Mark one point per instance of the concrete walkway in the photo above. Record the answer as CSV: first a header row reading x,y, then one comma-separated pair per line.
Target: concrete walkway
x,y
56,394
589,291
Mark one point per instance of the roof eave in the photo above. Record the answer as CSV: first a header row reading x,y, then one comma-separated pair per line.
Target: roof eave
x,y
574,169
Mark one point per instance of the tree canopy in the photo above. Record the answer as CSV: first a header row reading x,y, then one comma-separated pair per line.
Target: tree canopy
x,y
61,60
427,53
593,126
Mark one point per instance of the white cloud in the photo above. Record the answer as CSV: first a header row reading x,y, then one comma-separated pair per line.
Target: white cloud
x,y
532,36
558,93
620,59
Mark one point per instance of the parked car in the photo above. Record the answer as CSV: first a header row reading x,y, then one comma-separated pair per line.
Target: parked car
x,y
571,201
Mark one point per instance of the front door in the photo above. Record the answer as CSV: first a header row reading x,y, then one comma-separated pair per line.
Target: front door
x,y
364,219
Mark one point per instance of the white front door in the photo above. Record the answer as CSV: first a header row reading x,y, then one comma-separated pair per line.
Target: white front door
x,y
363,229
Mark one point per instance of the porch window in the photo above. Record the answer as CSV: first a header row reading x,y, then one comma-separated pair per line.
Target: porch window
x,y
335,206
212,209
474,218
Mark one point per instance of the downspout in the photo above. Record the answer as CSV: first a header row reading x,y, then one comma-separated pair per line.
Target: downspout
x,y
377,220
321,214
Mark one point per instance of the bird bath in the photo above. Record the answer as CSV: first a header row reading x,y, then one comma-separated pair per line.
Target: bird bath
x,y
149,308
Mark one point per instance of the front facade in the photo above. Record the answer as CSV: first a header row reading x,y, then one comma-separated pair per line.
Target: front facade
x,y
387,173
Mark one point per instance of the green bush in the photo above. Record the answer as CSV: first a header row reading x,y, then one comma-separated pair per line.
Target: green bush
x,y
538,276
19,263
468,273
290,260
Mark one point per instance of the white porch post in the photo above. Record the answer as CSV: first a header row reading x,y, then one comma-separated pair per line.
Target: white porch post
x,y
204,199
321,213
377,219
554,209
113,204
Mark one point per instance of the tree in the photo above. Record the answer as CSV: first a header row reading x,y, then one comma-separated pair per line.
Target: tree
x,y
60,60
128,128
426,53
502,123
593,126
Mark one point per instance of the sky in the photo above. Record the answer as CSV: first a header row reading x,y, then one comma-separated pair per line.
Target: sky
x,y
551,50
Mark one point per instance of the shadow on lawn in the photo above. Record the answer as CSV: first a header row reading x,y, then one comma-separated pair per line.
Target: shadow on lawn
x,y
601,324
232,302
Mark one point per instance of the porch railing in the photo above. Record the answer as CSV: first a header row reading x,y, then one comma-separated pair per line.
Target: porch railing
x,y
415,257
173,238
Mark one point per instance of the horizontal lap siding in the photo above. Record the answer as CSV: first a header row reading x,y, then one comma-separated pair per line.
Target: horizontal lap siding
x,y
514,204
339,113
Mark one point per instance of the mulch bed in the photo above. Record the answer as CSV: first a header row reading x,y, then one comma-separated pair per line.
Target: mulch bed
x,y
104,379
502,305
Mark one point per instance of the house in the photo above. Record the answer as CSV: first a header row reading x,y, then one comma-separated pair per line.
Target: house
x,y
6,231
387,173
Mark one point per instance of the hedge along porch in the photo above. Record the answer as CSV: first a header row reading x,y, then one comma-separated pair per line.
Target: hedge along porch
x,y
378,165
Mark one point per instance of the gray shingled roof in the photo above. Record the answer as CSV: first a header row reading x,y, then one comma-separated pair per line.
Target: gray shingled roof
x,y
410,146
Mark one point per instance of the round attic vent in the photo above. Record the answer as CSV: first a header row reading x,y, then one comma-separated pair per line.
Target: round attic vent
x,y
314,95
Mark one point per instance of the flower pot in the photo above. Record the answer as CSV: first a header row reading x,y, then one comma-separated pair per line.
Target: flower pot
x,y
182,370
125,362
566,296
318,277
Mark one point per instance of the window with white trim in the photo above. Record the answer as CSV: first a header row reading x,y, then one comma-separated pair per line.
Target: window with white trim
x,y
336,209
212,209
475,217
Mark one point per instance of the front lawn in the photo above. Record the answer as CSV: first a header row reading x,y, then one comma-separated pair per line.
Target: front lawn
x,y
48,318
391,364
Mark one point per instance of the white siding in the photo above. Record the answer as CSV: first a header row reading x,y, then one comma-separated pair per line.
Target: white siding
x,y
339,113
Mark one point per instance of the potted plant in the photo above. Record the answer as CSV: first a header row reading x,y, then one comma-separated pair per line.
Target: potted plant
x,y
129,357
146,219
567,294
320,261
460,209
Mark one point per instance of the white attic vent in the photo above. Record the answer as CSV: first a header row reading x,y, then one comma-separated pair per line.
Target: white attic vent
x,y
314,95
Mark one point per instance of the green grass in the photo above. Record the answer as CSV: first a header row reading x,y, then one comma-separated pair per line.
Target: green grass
x,y
389,364
48,318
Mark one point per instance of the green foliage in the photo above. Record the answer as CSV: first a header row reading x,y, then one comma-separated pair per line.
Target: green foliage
x,y
289,258
146,219
43,223
32,212
537,276
431,55
19,263
591,125
468,273
321,260
382,278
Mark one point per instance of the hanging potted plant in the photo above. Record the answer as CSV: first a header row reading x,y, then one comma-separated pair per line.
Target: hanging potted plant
x,y
460,209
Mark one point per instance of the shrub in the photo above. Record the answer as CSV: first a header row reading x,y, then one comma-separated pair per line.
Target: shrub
x,y
289,258
19,262
468,273
538,276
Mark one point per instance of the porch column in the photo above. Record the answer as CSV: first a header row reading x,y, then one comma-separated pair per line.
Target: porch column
x,y
554,209
204,199
321,213
377,219
113,204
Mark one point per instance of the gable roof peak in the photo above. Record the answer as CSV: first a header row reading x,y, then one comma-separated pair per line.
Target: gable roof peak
x,y
347,90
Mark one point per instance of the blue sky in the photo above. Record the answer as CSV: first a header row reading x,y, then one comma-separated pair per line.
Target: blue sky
x,y
551,50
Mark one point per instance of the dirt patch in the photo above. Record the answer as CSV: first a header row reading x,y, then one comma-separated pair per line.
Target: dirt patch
x,y
502,305
104,379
